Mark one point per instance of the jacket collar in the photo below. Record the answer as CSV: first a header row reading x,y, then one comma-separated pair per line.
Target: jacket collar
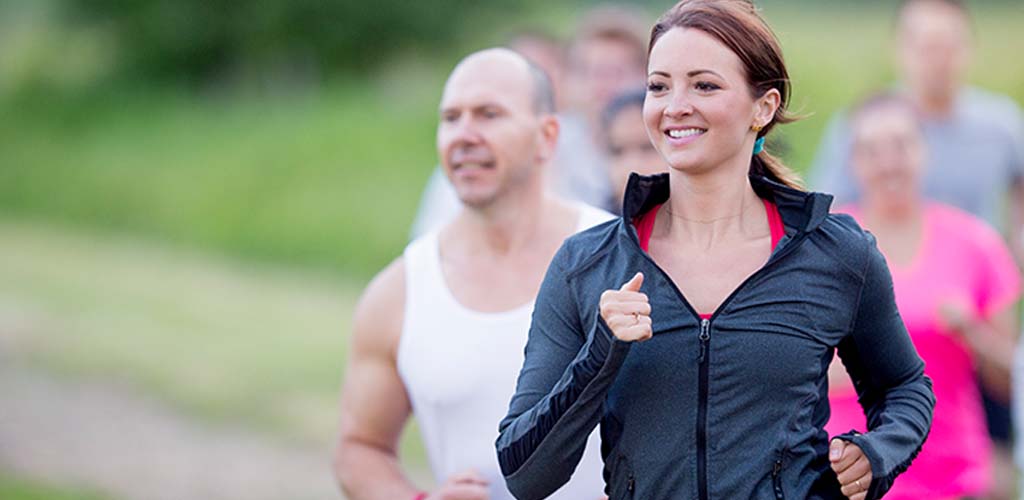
x,y
801,211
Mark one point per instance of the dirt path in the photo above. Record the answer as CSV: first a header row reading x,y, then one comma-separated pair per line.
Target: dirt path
x,y
129,446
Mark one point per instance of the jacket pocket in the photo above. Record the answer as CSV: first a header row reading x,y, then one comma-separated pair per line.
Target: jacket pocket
x,y
623,480
777,477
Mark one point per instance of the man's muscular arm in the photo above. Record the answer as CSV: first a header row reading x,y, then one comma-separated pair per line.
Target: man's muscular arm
x,y
374,404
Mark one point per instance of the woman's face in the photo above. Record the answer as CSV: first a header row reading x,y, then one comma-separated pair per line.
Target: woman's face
x,y
698,111
629,149
888,152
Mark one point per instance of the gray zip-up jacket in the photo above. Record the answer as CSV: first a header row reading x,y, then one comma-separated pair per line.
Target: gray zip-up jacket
x,y
731,407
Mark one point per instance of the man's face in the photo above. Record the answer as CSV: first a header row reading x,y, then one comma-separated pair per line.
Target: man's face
x,y
489,138
934,48
602,68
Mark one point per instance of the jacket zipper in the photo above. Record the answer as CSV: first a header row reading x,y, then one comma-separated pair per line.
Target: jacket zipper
x,y
705,339
702,410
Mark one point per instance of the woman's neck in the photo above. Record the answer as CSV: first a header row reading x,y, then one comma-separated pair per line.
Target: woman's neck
x,y
710,206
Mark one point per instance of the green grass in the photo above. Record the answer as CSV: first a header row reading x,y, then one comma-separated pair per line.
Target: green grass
x,y
15,488
256,346
330,180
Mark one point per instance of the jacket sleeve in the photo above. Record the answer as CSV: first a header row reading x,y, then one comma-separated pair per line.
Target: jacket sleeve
x,y
889,378
571,361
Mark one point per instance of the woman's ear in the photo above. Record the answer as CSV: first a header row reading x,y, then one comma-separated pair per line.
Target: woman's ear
x,y
765,108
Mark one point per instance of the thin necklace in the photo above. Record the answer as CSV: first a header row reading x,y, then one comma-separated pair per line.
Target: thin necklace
x,y
705,221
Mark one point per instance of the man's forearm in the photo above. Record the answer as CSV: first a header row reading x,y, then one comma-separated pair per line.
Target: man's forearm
x,y
367,472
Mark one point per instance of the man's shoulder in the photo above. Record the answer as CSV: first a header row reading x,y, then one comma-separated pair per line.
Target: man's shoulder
x,y
378,314
590,216
983,108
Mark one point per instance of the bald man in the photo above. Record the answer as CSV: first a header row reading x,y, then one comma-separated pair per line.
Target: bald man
x,y
440,332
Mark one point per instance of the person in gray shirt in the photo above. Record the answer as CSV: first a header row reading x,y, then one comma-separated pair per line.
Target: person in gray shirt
x,y
975,138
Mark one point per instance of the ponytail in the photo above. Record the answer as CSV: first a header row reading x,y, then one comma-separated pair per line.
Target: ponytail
x,y
766,165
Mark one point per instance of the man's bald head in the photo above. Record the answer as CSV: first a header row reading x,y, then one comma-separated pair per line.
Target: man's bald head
x,y
518,72
497,127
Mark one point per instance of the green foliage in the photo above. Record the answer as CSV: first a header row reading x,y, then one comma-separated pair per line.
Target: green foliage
x,y
204,39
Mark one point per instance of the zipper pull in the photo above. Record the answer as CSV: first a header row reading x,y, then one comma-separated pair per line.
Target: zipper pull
x,y
777,481
631,484
705,336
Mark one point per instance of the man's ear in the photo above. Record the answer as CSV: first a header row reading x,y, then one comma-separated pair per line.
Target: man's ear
x,y
549,132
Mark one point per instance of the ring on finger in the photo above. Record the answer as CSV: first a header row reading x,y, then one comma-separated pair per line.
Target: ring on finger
x,y
636,318
859,487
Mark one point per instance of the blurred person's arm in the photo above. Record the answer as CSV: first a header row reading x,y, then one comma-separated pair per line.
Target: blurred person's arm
x,y
992,342
830,172
1016,202
1015,232
374,404
987,320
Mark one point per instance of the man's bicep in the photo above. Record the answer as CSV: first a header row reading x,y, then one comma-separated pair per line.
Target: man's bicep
x,y
374,402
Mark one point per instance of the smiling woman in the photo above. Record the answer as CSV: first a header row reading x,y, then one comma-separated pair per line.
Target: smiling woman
x,y
698,328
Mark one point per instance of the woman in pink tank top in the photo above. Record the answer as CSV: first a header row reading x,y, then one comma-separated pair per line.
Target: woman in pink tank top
x,y
956,285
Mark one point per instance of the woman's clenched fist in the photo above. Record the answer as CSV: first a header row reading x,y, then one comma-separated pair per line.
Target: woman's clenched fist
x,y
627,312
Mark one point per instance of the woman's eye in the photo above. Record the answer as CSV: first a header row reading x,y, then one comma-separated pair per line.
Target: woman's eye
x,y
706,86
655,87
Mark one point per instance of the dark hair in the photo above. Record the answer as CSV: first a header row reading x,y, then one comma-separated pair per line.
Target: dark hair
x,y
738,26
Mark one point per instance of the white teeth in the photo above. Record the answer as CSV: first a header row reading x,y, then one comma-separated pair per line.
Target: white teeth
x,y
678,134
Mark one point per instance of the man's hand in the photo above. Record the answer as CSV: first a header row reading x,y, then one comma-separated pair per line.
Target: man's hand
x,y
627,312
852,468
467,485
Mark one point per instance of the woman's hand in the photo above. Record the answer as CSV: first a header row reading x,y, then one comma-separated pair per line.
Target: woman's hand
x,y
627,312
852,468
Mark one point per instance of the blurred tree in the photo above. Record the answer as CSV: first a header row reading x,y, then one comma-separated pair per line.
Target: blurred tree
x,y
208,39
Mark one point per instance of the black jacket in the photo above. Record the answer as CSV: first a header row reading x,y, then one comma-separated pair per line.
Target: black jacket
x,y
727,408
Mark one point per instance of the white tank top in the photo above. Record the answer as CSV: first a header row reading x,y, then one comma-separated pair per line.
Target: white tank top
x,y
460,368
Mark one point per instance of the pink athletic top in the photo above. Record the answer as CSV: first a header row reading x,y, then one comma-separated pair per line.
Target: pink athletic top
x,y
645,226
961,260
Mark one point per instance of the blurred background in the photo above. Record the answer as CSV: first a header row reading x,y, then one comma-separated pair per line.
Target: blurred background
x,y
194,192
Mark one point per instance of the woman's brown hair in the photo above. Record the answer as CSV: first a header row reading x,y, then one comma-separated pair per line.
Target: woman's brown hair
x,y
738,26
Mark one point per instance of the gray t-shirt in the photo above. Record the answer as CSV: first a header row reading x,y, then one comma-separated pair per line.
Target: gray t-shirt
x,y
973,156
